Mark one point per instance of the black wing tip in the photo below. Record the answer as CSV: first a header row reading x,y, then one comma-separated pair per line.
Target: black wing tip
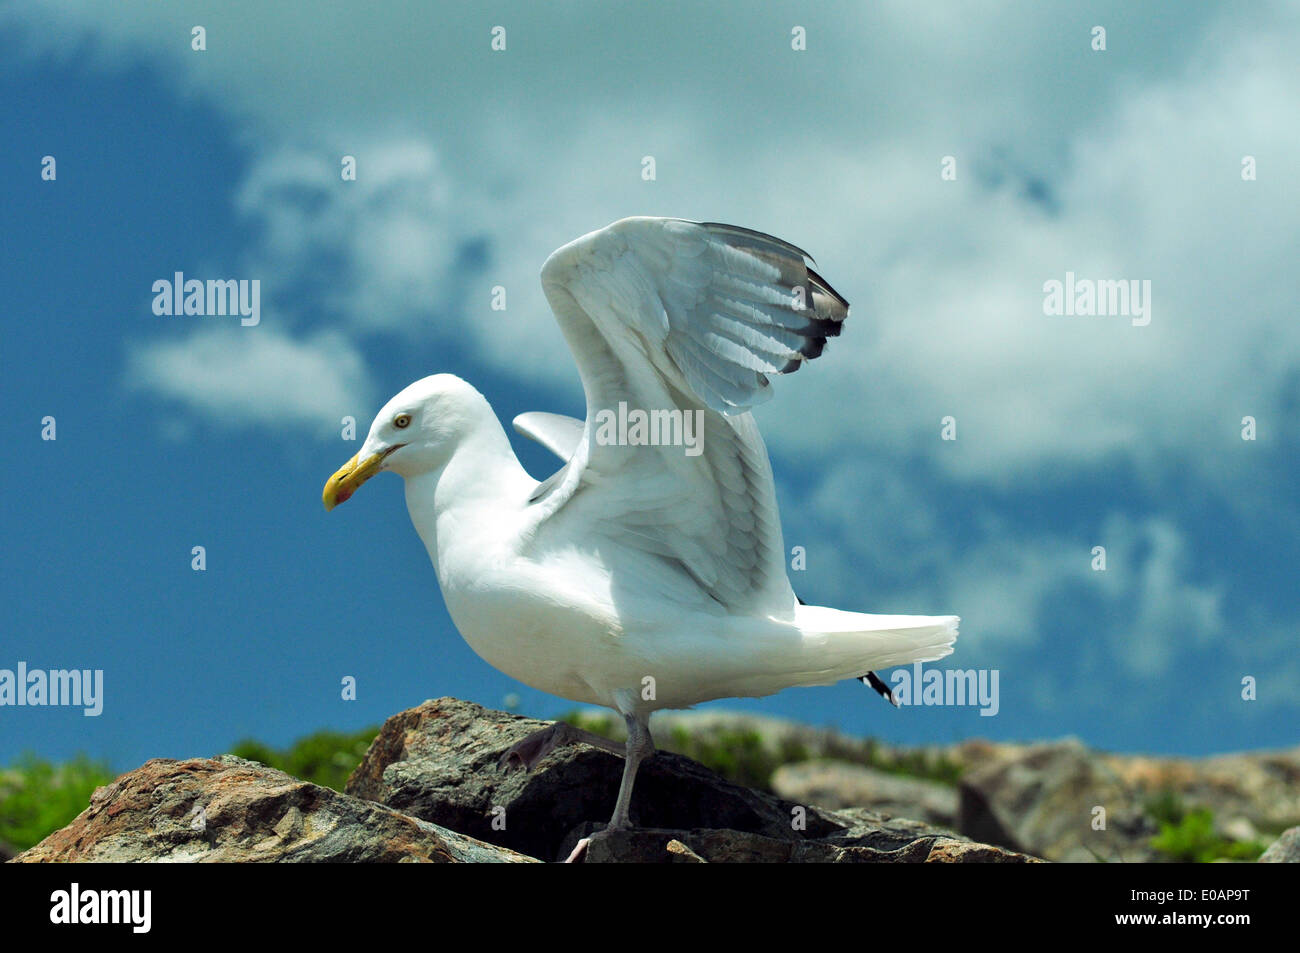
x,y
824,286
824,309
813,348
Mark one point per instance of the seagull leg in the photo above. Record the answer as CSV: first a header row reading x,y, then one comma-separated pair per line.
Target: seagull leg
x,y
639,747
529,751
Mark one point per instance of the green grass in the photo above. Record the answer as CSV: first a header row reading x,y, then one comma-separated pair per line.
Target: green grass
x,y
926,765
38,797
1187,835
325,758
742,757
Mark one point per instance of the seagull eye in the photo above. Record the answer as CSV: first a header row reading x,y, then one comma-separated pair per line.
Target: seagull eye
x,y
402,420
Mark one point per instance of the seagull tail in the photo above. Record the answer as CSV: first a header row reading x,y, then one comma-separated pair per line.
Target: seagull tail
x,y
839,645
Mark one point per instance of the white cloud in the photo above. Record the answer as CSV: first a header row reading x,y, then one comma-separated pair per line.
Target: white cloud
x,y
1149,565
1153,191
239,377
381,249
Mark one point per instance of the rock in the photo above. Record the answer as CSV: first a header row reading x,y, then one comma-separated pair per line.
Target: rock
x,y
429,789
1262,787
833,785
679,853
439,762
1042,799
229,809
647,845
1285,850
1236,828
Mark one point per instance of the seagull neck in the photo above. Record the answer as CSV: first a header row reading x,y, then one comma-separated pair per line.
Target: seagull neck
x,y
467,498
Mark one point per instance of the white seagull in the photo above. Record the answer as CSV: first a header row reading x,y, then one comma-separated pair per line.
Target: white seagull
x,y
649,571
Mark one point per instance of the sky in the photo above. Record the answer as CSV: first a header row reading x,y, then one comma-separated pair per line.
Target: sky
x,y
944,162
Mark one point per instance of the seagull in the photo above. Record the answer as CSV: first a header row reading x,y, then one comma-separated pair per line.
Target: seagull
x,y
649,571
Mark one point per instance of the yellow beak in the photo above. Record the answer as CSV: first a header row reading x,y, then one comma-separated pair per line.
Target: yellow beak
x,y
350,476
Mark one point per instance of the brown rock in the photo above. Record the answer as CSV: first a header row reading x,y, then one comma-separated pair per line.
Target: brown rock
x,y
229,809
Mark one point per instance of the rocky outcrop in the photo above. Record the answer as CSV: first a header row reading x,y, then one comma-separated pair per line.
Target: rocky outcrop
x,y
644,845
229,809
1285,850
1057,800
1249,793
439,762
430,789
836,784
1012,792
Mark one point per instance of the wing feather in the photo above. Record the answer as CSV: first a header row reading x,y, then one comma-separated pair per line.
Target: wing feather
x,y
693,318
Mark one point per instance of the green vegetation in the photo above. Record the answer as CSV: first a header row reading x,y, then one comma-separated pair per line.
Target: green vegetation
x,y
595,722
1188,835
743,757
739,756
325,758
37,797
917,763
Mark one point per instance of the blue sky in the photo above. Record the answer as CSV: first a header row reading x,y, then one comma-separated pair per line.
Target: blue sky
x,y
473,165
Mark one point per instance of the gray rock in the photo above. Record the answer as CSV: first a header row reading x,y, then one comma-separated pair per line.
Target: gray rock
x,y
434,768
1259,787
1236,828
1262,787
833,785
439,762
229,809
646,845
1284,850
1043,799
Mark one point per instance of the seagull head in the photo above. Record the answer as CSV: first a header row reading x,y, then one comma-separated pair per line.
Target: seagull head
x,y
415,433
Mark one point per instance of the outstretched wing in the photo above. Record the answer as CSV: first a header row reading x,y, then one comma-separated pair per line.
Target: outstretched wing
x,y
681,324
556,432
